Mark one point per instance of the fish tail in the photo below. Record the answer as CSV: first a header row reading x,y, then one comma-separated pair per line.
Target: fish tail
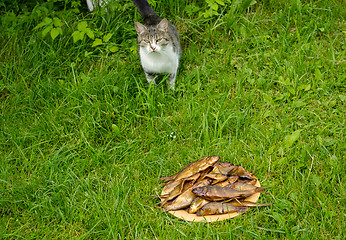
x,y
242,209
162,202
166,179
260,189
263,204
160,196
157,196
164,209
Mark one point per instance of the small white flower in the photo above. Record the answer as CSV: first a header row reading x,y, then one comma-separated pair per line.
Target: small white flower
x,y
172,135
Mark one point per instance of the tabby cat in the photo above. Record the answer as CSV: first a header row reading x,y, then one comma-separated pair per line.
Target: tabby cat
x,y
158,44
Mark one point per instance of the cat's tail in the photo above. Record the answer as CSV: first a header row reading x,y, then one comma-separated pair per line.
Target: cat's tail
x,y
147,12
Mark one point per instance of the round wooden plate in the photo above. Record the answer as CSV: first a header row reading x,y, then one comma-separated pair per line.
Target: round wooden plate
x,y
183,214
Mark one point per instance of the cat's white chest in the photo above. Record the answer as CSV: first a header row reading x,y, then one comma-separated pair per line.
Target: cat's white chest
x,y
163,61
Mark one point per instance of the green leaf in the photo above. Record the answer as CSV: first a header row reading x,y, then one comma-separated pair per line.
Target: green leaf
x,y
46,30
268,99
279,97
97,42
41,24
90,33
81,36
113,49
57,22
107,37
251,81
318,74
316,180
77,35
305,87
289,140
45,22
220,2
82,26
116,130
191,9
214,6
253,2
54,33
298,104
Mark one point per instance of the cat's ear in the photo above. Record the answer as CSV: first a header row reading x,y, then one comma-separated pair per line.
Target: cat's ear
x,y
140,28
163,25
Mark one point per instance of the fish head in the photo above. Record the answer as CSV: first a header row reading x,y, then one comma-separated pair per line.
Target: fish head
x,y
206,162
222,167
224,164
212,159
200,191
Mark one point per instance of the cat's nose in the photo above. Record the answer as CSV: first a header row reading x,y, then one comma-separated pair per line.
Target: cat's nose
x,y
152,47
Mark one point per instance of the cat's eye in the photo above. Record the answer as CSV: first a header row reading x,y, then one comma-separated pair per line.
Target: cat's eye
x,y
162,40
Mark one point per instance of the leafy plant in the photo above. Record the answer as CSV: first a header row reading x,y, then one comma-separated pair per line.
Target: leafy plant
x,y
52,26
101,38
82,30
228,6
55,28
19,15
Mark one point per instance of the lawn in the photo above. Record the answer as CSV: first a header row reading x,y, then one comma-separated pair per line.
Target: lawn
x,y
84,138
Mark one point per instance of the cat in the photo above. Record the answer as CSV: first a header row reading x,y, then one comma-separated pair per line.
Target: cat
x,y
158,44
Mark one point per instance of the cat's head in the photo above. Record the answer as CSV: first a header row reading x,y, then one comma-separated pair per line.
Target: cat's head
x,y
153,38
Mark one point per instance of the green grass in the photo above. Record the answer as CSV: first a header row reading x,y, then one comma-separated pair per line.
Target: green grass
x,y
84,139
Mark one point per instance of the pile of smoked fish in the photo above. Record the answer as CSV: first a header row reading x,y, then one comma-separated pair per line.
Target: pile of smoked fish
x,y
208,187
